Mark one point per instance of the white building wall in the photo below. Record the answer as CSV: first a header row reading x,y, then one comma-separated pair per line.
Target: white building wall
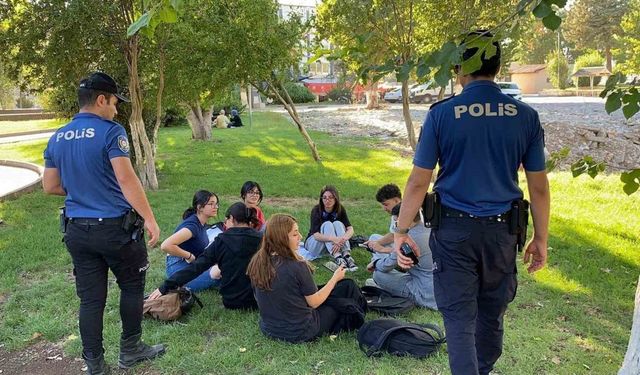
x,y
307,9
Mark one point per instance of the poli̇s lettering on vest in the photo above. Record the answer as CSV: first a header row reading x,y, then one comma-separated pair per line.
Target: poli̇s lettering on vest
x,y
76,134
486,109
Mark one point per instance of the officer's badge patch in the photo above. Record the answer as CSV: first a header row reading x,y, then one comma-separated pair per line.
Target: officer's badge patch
x,y
123,144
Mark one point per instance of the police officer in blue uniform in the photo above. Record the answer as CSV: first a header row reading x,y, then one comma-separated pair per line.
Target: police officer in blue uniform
x,y
87,161
479,139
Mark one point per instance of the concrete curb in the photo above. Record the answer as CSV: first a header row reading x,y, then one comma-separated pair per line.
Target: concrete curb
x,y
30,132
26,188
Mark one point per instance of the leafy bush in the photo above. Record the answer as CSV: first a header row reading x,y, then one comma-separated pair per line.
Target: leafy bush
x,y
24,102
174,117
298,92
340,94
557,65
589,59
228,100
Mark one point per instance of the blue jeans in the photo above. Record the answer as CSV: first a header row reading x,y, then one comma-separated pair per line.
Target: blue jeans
x,y
416,284
315,247
200,283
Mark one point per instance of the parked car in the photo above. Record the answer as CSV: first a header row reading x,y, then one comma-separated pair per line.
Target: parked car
x,y
418,93
393,96
427,92
511,89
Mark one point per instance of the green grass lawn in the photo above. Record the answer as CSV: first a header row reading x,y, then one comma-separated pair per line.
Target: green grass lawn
x,y
573,317
8,127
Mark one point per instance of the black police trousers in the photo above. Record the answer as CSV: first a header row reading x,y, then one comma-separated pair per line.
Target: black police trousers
x,y
94,250
474,262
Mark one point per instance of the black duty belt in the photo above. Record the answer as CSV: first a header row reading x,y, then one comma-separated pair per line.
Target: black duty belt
x,y
93,221
451,212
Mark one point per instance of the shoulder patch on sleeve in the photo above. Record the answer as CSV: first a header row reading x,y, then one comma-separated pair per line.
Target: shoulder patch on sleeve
x,y
441,101
123,143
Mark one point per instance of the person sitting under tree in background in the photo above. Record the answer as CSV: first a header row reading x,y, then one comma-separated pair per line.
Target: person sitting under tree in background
x,y
236,121
222,121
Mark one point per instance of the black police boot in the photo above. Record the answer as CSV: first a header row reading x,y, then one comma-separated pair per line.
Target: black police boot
x,y
96,366
133,351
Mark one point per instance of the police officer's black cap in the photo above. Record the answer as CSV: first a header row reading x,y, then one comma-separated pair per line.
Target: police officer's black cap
x,y
103,82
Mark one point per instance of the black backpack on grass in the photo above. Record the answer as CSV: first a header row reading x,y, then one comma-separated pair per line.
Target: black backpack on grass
x,y
399,338
385,303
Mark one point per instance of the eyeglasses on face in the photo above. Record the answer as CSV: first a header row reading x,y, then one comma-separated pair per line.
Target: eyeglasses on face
x,y
253,192
213,204
328,198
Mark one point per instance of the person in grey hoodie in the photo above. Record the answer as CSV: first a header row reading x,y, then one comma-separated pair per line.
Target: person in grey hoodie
x,y
417,282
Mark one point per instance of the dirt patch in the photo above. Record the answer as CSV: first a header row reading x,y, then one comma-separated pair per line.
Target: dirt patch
x,y
43,358
583,127
46,358
287,202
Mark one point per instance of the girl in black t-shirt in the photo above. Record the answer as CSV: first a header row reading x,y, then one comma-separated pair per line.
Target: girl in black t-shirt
x,y
291,306
330,229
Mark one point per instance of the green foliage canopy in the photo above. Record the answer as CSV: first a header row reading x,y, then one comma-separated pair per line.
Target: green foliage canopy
x,y
630,39
595,24
558,69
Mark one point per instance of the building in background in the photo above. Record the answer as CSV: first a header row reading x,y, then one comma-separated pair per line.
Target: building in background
x,y
531,79
306,9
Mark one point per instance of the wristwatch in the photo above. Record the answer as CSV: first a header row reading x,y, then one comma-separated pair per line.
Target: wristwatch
x,y
400,230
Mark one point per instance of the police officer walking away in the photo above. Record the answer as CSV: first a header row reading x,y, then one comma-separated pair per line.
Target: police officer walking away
x,y
479,139
87,161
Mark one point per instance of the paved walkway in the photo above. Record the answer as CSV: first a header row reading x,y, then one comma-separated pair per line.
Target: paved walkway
x,y
12,178
22,138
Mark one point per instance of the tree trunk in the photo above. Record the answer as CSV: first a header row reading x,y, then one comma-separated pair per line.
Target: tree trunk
x,y
631,364
291,109
156,126
372,95
411,134
200,122
608,58
144,163
441,93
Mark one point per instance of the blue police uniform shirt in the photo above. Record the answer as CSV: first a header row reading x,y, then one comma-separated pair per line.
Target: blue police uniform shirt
x,y
199,239
479,139
82,151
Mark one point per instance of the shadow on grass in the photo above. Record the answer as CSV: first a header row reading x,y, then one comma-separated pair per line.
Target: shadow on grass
x,y
558,313
581,306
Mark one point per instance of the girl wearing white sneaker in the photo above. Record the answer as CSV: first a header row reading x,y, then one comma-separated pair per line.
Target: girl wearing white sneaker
x,y
330,229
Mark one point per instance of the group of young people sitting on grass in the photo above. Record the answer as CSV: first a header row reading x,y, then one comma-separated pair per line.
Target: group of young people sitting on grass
x,y
265,265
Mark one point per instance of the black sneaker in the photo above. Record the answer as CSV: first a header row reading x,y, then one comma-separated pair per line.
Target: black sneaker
x,y
351,264
341,261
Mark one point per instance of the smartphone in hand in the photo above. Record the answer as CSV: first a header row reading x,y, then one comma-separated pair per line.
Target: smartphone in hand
x,y
366,247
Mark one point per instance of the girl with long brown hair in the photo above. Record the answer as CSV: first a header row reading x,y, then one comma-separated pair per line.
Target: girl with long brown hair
x,y
291,306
